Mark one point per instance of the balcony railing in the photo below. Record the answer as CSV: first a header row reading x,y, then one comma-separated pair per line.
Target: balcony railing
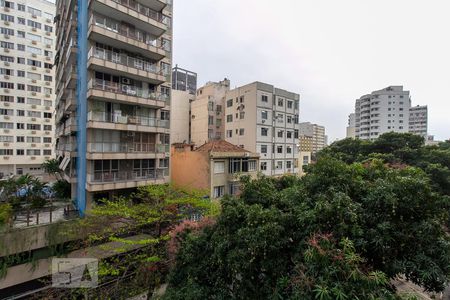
x,y
128,90
127,148
127,119
125,60
136,175
132,33
146,11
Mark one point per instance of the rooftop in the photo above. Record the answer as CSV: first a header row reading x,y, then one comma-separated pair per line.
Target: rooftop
x,y
220,146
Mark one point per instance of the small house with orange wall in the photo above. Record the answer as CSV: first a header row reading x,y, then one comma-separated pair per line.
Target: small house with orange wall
x,y
215,166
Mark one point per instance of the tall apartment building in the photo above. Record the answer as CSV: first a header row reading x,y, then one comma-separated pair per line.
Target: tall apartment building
x,y
113,95
384,111
182,97
184,80
26,86
317,134
264,119
418,120
207,112
351,128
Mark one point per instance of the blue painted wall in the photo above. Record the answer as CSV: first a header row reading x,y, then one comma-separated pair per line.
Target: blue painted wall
x,y
81,92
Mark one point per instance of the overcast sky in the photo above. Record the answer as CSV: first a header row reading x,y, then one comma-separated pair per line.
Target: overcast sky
x,y
331,52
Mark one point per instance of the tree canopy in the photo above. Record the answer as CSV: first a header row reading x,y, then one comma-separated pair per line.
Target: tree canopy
x,y
358,219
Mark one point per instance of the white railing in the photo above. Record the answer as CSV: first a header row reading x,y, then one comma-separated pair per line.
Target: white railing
x,y
135,175
126,119
129,90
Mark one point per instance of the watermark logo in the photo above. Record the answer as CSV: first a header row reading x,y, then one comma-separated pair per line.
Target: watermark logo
x,y
74,272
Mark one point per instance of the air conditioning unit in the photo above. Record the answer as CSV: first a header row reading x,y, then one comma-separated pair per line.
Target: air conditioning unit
x,y
47,33
33,106
6,76
6,50
47,132
48,20
33,158
47,95
6,104
33,81
48,46
47,70
33,55
6,36
6,157
47,107
7,63
126,81
34,42
46,145
33,119
47,120
6,144
33,29
33,68
6,91
34,16
6,130
6,23
7,118
48,58
263,121
47,83
33,132
33,145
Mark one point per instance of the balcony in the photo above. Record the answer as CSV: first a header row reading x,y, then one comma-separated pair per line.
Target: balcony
x,y
116,64
135,13
112,32
117,121
122,93
123,150
103,181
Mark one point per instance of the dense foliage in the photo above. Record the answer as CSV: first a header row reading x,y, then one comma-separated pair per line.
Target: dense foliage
x,y
358,219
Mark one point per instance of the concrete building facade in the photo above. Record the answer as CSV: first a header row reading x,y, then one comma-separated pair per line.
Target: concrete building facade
x,y
207,112
418,120
351,127
27,86
113,95
387,110
214,167
317,134
264,119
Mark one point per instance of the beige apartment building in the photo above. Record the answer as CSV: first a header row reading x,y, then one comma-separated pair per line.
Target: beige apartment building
x,y
122,140
264,119
316,133
215,167
207,112
27,86
180,116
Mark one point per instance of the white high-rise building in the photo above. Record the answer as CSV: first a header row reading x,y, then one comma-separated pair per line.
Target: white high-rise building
x,y
264,119
386,110
418,120
27,80
351,126
317,134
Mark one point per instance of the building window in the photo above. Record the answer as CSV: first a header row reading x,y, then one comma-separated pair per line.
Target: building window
x,y
20,139
252,165
263,149
241,99
279,149
20,152
289,119
229,133
289,104
263,166
289,134
219,167
229,102
21,7
241,115
20,126
279,164
264,115
264,98
47,139
280,133
229,118
288,164
241,131
210,120
219,191
264,131
280,102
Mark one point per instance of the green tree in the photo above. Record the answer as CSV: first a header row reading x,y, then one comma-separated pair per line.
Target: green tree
x,y
51,167
389,220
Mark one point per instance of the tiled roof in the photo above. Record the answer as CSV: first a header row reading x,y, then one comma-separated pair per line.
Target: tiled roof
x,y
220,146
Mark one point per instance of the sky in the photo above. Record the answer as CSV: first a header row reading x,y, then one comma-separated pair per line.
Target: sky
x,y
331,52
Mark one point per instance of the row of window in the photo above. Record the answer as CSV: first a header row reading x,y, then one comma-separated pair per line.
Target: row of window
x,y
23,100
277,149
21,152
10,125
26,35
22,60
28,22
21,139
29,88
278,165
21,73
22,47
23,113
264,98
21,7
